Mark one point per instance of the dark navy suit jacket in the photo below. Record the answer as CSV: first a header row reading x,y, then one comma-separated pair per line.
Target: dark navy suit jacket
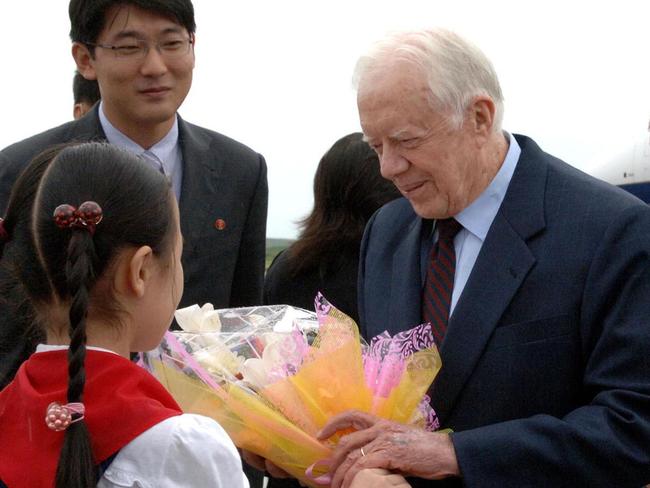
x,y
546,361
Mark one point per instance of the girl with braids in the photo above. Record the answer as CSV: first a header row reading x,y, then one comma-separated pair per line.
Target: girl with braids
x,y
105,247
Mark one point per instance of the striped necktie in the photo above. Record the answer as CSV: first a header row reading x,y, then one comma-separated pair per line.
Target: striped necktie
x,y
439,284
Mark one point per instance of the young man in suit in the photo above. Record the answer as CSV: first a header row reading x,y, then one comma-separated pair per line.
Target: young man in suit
x,y
539,297
141,53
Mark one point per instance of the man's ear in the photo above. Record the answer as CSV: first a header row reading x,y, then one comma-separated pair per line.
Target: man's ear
x,y
78,110
134,272
193,53
83,59
482,112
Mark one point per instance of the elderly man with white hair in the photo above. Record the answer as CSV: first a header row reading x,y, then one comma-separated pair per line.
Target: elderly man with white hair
x,y
534,276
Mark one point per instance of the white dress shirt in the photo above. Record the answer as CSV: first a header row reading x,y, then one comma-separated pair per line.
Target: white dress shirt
x,y
166,153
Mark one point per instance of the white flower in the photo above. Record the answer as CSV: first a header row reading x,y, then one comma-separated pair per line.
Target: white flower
x,y
283,354
198,319
219,360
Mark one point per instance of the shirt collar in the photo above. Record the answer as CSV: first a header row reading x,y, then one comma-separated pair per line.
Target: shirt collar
x,y
54,347
478,216
163,149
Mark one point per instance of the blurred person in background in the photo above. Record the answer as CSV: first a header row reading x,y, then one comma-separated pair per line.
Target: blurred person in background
x,y
86,94
348,189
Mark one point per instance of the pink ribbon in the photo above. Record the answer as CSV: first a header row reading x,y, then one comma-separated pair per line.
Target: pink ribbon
x,y
178,348
324,479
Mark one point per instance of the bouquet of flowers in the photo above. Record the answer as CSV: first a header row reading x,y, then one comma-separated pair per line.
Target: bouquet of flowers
x,y
273,376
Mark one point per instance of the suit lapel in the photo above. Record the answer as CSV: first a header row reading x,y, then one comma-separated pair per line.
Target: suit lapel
x,y
198,182
406,289
500,269
87,128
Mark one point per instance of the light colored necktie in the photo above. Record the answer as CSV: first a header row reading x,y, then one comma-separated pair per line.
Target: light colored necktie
x,y
153,160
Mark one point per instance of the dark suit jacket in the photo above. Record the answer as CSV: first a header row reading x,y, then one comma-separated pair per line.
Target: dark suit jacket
x,y
546,361
338,284
222,179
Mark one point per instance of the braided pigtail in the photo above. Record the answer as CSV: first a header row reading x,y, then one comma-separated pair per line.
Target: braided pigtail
x,y
76,464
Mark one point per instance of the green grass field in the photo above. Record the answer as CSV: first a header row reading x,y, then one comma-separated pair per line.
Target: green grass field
x,y
273,247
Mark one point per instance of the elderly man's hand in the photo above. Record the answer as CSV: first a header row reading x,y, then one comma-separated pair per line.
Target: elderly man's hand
x,y
379,443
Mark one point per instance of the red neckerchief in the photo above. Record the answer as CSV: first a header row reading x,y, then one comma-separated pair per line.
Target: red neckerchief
x,y
122,400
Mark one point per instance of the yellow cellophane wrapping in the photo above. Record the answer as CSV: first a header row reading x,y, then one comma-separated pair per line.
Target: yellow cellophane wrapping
x,y
280,422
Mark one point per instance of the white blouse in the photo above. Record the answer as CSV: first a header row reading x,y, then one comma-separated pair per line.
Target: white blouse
x,y
187,450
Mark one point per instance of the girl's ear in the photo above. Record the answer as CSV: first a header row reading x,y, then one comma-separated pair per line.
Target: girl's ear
x,y
134,272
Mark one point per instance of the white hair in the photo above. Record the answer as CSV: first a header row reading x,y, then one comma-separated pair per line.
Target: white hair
x,y
456,70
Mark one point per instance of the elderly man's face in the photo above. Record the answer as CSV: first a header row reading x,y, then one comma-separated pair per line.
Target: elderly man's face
x,y
436,167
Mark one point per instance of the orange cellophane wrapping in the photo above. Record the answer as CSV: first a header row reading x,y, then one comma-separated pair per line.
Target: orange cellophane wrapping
x,y
280,421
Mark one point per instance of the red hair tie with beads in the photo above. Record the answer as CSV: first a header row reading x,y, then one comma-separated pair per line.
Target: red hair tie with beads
x,y
87,216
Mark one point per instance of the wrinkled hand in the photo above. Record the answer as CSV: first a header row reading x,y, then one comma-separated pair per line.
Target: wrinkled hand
x,y
258,462
378,478
389,445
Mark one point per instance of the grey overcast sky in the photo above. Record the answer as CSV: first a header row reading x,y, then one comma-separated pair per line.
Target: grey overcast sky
x,y
276,75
